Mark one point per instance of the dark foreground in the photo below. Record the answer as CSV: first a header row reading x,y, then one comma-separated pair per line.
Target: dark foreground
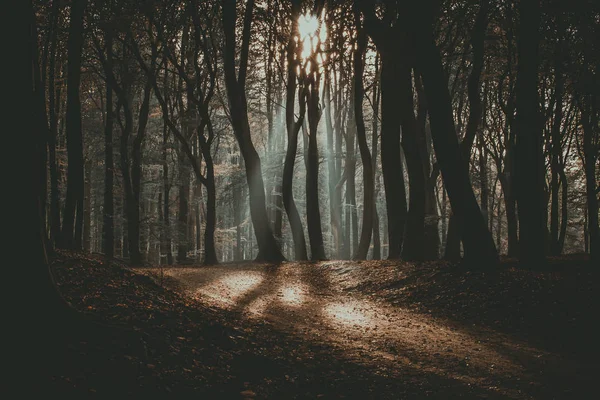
x,y
329,330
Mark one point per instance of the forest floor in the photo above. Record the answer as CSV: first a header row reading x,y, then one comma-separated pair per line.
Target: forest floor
x,y
339,329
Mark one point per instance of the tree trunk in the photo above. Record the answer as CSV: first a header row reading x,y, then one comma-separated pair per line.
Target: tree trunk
x,y
374,147
53,106
391,161
431,235
564,215
238,254
414,242
556,152
166,231
530,171
313,213
293,128
350,170
444,217
87,206
108,238
182,215
49,311
118,222
479,247
589,120
136,255
210,253
269,249
73,213
361,135
483,180
333,174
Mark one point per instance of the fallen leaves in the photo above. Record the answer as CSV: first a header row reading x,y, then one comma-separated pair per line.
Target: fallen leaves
x,y
192,349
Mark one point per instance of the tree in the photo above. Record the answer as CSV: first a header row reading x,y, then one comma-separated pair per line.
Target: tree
x,y
479,247
477,42
529,153
71,235
293,128
268,247
365,155
312,78
108,239
385,36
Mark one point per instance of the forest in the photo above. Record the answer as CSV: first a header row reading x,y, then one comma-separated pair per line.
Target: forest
x,y
215,166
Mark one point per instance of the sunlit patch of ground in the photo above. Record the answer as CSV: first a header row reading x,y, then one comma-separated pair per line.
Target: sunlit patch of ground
x,y
310,299
347,314
292,295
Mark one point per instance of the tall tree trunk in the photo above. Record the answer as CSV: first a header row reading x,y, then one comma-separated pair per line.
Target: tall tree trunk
x,y
124,225
210,254
313,213
391,161
73,214
333,174
564,213
374,147
136,255
361,135
511,213
53,106
478,243
52,313
108,238
278,198
432,235
343,175
475,115
269,249
556,151
530,171
166,231
238,254
589,121
351,220
182,214
87,206
293,128
414,242
483,179
118,222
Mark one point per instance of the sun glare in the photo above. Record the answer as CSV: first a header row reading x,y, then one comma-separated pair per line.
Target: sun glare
x,y
312,31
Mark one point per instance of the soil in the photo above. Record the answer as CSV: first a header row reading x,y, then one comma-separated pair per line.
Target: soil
x,y
339,329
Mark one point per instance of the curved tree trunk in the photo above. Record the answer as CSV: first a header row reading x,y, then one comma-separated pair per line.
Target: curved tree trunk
x,y
478,242
313,213
269,249
293,129
361,135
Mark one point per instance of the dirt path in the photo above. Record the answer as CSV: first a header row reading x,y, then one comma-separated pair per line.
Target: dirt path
x,y
313,302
